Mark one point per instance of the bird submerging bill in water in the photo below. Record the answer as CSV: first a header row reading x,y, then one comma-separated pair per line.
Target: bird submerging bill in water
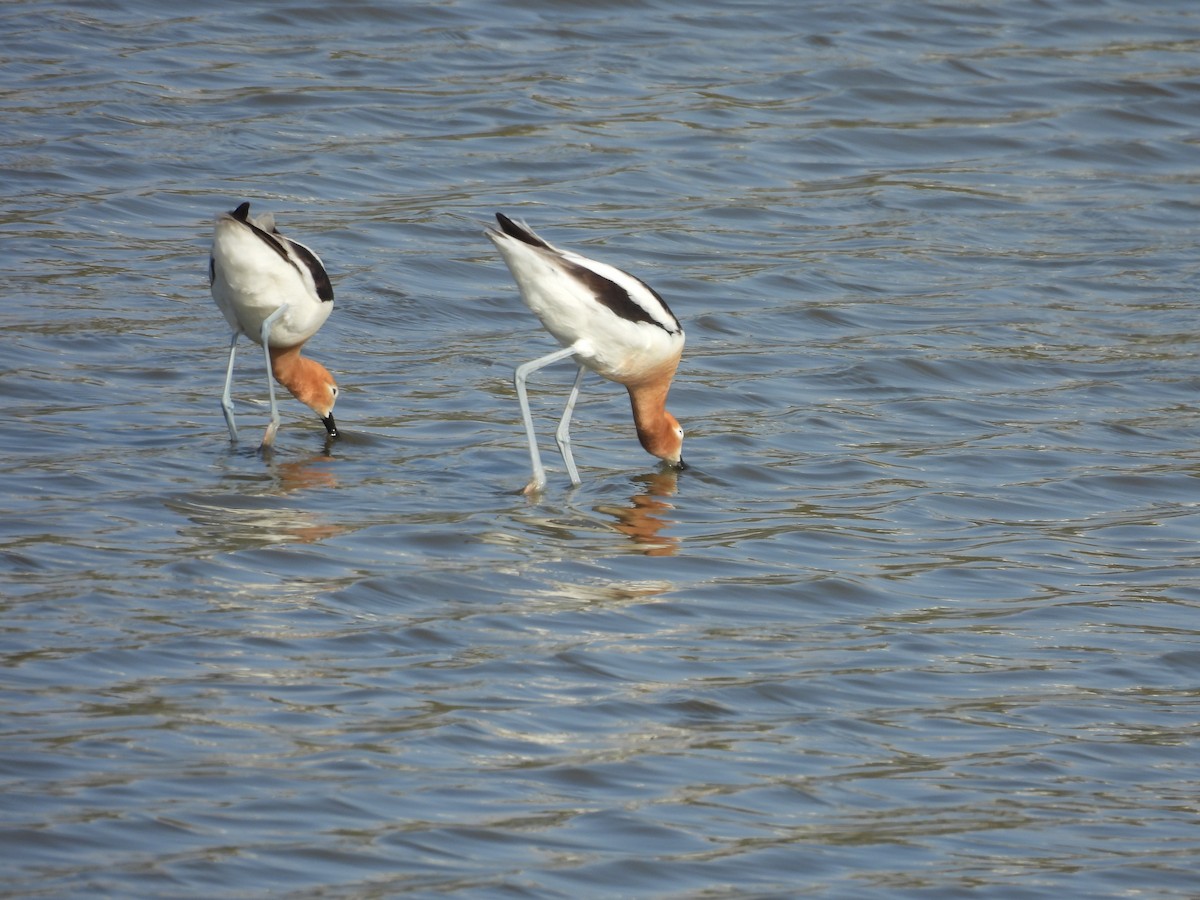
x,y
276,292
611,323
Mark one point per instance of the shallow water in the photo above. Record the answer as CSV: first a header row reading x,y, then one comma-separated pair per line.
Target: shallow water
x,y
920,618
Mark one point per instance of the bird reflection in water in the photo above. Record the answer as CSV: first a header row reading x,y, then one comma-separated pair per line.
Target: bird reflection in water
x,y
642,521
243,512
301,475
304,474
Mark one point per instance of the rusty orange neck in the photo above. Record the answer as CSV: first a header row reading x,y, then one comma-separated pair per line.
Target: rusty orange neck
x,y
306,379
289,367
656,428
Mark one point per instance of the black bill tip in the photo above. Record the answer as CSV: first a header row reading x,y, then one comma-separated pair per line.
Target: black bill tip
x,y
330,425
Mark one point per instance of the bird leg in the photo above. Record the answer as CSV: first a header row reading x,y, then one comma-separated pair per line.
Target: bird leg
x,y
269,435
538,481
226,399
563,434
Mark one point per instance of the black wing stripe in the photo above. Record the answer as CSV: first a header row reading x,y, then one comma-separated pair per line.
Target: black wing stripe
x,y
512,229
609,293
277,242
242,214
319,276
617,299
670,315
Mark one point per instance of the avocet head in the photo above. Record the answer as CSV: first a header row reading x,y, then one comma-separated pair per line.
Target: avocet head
x,y
317,390
665,440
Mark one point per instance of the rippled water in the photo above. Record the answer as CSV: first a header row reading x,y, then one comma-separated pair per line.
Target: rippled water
x,y
920,620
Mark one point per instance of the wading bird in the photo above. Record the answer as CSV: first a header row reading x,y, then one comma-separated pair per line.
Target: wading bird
x,y
611,323
275,291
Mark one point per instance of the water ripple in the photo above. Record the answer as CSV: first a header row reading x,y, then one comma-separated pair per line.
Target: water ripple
x,y
926,588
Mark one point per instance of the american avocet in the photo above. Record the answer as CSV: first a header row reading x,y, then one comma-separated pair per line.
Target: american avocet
x,y
275,291
611,323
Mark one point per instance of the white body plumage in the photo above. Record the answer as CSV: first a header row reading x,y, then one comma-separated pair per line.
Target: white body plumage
x,y
255,270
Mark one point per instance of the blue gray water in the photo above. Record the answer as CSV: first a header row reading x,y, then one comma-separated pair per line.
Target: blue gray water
x,y
919,621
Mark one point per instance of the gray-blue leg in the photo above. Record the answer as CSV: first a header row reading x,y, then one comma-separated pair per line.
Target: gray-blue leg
x,y
269,436
563,434
226,398
538,481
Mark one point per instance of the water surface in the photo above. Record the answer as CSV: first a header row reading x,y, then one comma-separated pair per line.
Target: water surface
x,y
920,619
